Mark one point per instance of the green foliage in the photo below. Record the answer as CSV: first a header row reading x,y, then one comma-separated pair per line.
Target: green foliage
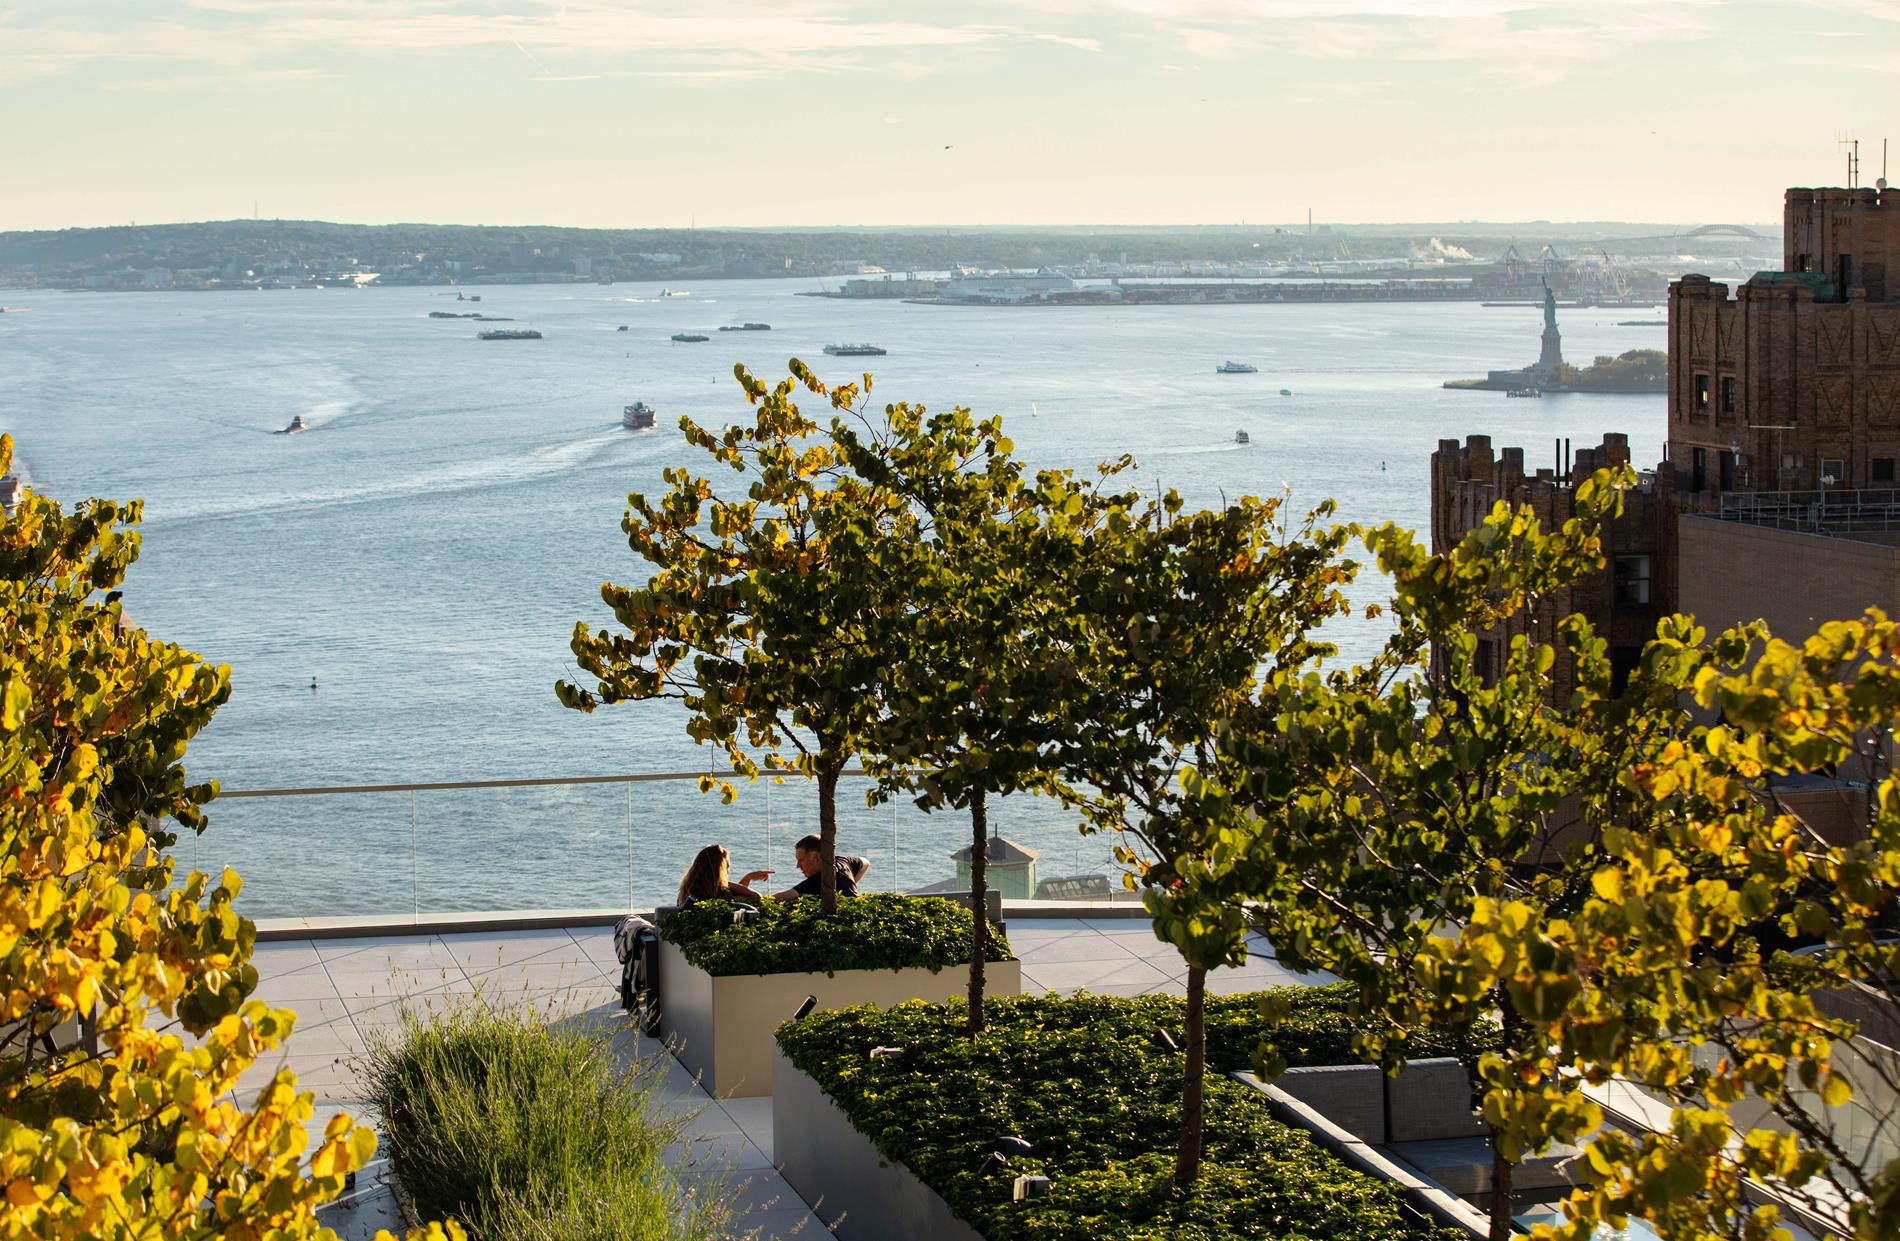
x,y
134,1125
1083,1081
770,613
880,931
528,1132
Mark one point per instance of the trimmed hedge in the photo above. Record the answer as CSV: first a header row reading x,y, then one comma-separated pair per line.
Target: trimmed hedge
x,y
883,931
1085,1082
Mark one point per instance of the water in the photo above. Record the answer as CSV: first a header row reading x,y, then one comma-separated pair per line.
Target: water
x,y
424,551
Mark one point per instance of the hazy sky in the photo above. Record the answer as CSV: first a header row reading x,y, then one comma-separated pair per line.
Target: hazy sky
x,y
649,113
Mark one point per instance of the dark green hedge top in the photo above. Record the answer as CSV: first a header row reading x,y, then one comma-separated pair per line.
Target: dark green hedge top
x,y
1085,1082
883,931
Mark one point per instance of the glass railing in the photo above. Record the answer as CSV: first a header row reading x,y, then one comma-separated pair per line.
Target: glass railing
x,y
601,842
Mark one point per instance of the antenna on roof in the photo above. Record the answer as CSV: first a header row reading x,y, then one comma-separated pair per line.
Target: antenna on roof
x,y
1851,145
1881,184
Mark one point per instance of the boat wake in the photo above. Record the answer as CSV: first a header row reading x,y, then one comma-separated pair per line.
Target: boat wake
x,y
510,467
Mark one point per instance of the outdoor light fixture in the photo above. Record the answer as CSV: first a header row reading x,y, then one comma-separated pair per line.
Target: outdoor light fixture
x,y
744,914
1028,1187
887,1053
1005,1146
804,1010
1165,1041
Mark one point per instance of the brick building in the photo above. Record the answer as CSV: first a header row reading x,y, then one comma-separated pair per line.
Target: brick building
x,y
1793,382
1778,497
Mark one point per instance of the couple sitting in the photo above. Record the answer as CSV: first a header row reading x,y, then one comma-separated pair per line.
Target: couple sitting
x,y
709,878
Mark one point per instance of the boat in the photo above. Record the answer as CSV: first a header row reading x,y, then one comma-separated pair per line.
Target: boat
x,y
689,336
674,293
1527,392
450,314
460,298
509,333
296,424
748,327
1241,437
621,328
1235,368
11,489
638,416
1286,392
855,351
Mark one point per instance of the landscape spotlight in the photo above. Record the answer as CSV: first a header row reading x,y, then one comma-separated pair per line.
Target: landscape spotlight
x,y
744,914
1165,1041
1012,1145
804,1010
1028,1187
991,1164
887,1053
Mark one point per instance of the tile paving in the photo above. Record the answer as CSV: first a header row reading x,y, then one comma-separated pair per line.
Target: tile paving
x,y
345,990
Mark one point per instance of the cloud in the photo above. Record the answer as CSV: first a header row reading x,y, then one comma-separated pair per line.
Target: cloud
x,y
562,40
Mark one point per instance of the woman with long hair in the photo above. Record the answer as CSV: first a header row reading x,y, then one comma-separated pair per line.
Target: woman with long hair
x,y
709,879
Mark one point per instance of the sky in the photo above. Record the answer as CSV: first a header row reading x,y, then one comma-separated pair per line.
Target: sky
x,y
724,113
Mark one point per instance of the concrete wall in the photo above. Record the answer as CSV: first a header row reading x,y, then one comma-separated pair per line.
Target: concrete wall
x,y
1734,572
722,1028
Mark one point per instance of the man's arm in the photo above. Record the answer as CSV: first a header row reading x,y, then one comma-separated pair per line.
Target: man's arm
x,y
856,867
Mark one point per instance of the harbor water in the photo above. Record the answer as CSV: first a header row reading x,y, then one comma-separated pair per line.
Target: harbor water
x,y
395,588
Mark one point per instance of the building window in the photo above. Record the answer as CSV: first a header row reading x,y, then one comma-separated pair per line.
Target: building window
x,y
1632,580
1791,464
1882,471
1728,394
1701,394
1833,471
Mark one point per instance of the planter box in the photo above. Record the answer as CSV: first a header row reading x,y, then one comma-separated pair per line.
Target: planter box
x,y
859,1194
721,1028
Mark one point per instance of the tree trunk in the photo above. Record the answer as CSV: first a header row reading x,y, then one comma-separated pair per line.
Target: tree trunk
x,y
1500,1193
1187,1165
979,903
828,838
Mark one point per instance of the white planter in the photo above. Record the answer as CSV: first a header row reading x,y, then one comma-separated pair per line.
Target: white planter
x,y
858,1194
721,1028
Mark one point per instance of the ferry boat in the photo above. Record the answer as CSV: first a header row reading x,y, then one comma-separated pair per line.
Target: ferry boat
x,y
638,416
11,489
690,336
1235,368
748,327
296,424
855,351
509,333
1241,437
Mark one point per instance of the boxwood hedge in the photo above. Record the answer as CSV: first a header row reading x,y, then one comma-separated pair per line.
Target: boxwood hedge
x,y
1085,1081
878,932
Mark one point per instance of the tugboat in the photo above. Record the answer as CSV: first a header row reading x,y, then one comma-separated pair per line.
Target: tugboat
x,y
689,336
748,327
638,416
1241,437
511,334
296,424
1235,368
855,351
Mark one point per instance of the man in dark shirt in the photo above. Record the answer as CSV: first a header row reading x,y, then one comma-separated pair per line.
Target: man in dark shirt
x,y
809,853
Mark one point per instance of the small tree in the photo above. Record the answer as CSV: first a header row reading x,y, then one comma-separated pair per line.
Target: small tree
x,y
981,683
111,1125
1183,612
769,614
1598,875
